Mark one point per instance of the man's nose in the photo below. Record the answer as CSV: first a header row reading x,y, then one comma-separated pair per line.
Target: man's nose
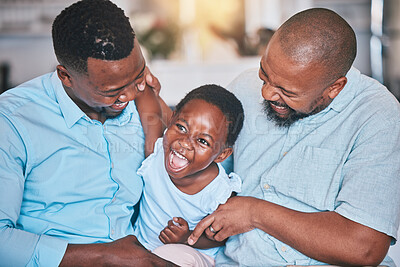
x,y
129,93
270,93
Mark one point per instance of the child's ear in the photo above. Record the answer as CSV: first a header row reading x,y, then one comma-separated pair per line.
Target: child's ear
x,y
224,155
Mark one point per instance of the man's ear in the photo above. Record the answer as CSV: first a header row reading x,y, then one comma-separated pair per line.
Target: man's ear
x,y
64,76
224,155
336,87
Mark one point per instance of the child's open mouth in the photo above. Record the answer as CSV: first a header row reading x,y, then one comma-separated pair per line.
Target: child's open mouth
x,y
177,162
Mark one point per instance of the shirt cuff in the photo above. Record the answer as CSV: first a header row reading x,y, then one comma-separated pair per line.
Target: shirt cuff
x,y
49,251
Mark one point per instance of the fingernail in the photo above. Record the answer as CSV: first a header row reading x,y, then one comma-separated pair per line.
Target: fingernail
x,y
190,241
149,78
141,87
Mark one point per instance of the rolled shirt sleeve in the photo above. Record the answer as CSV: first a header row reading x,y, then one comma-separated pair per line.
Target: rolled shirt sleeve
x,y
370,189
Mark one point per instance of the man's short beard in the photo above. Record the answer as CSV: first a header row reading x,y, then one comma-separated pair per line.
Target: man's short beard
x,y
286,122
108,115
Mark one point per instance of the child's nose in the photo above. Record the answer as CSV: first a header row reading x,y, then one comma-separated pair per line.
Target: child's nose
x,y
186,143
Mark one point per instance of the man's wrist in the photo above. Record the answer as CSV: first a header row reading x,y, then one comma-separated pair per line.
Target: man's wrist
x,y
255,212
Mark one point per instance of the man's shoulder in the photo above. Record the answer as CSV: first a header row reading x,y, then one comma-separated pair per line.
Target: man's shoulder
x,y
32,92
375,101
247,87
246,79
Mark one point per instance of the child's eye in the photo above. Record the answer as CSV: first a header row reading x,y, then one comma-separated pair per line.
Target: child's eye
x,y
181,127
203,141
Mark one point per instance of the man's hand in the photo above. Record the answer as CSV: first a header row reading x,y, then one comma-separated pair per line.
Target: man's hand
x,y
126,251
177,231
232,218
151,81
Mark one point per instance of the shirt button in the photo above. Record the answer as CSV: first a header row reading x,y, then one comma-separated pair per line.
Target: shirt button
x,y
266,186
284,249
112,231
112,165
284,154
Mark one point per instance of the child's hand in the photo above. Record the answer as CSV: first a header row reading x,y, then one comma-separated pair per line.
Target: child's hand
x,y
177,231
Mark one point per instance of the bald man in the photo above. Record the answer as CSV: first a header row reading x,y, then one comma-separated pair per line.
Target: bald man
x,y
319,155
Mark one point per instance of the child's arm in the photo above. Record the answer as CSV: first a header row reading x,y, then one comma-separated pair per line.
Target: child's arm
x,y
166,111
178,231
151,117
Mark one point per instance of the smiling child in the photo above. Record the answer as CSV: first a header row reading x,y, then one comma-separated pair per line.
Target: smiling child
x,y
184,180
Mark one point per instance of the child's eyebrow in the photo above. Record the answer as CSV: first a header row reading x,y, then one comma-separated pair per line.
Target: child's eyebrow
x,y
183,120
209,136
187,124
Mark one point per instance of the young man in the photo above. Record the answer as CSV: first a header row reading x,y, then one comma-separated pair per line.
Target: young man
x,y
319,156
70,144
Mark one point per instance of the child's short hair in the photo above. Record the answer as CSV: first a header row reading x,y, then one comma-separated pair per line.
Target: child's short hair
x,y
226,101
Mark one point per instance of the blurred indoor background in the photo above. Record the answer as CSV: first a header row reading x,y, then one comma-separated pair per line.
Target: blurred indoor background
x,y
188,43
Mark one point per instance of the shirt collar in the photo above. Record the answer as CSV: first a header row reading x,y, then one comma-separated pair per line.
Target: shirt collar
x,y
72,113
339,103
347,94
124,117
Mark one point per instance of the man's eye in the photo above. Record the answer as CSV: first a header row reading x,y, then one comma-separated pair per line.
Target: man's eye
x,y
112,95
203,141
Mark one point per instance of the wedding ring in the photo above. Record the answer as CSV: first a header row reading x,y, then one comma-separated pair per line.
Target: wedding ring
x,y
212,230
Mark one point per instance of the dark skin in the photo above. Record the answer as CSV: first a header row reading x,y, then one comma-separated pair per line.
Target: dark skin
x,y
126,251
177,232
324,236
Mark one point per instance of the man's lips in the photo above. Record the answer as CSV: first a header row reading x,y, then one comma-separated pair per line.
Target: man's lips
x,y
278,108
119,106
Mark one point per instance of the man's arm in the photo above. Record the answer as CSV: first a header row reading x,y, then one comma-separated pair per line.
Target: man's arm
x,y
19,247
324,236
22,248
126,251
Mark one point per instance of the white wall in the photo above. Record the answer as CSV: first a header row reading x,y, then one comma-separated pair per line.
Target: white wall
x,y
178,78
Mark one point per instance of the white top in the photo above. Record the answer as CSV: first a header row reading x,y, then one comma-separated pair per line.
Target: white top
x,y
162,200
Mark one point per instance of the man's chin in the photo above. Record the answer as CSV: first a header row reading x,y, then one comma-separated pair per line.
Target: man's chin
x,y
111,114
284,121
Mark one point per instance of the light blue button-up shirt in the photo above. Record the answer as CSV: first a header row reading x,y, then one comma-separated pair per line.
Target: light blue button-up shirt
x,y
64,178
345,159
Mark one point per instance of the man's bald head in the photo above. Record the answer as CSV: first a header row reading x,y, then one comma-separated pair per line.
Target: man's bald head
x,y
319,36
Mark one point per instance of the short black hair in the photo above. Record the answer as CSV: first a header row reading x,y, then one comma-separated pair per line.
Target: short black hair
x,y
91,29
226,101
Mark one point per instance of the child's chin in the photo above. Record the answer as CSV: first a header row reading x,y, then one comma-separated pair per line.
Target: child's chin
x,y
175,175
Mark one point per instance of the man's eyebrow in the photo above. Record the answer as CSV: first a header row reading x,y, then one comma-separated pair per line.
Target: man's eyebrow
x,y
262,70
277,86
120,88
